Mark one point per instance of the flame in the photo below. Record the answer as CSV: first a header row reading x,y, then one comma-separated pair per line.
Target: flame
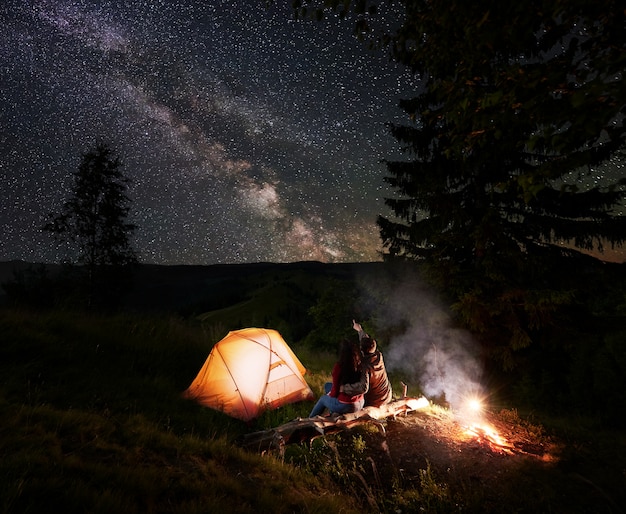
x,y
475,405
484,433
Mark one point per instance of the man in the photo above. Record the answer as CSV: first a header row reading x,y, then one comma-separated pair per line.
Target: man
x,y
379,391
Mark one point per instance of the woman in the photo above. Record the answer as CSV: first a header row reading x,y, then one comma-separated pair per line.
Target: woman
x,y
347,370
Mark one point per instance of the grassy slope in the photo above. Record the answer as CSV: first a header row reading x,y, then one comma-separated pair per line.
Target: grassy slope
x,y
93,422
92,418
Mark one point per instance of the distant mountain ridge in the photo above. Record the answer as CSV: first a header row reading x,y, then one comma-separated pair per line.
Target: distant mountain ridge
x,y
175,287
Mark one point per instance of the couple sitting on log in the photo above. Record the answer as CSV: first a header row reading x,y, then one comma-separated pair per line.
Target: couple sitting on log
x,y
359,378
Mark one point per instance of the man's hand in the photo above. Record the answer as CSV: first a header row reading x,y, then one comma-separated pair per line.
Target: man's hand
x,y
356,326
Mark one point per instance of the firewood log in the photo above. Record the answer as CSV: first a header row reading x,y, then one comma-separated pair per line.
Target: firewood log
x,y
307,429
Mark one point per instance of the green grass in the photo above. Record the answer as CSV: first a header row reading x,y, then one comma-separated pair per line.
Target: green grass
x,y
271,299
93,421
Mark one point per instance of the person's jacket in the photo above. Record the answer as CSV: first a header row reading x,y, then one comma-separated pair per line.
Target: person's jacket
x,y
337,390
380,391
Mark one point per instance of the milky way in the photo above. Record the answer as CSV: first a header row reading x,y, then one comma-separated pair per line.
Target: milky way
x,y
248,136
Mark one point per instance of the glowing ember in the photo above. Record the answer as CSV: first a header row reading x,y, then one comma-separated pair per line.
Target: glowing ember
x,y
471,407
475,405
489,435
417,403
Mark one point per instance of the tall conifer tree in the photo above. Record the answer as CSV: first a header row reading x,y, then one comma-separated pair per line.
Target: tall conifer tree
x,y
520,119
94,220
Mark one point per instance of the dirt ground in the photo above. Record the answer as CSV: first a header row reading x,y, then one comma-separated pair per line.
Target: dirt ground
x,y
491,463
511,464
516,467
481,451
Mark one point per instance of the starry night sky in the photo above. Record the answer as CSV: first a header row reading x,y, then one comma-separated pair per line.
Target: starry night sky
x,y
248,136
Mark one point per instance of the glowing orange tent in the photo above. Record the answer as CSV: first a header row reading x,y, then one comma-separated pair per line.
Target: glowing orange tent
x,y
249,371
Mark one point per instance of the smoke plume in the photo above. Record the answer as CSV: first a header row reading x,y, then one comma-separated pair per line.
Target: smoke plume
x,y
424,345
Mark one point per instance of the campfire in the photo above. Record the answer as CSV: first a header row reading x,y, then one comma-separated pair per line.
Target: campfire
x,y
486,434
472,420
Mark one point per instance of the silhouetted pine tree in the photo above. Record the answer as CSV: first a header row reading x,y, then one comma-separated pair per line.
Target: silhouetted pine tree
x,y
520,106
94,221
523,103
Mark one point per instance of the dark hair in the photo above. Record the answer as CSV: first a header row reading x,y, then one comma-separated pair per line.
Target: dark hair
x,y
349,362
368,345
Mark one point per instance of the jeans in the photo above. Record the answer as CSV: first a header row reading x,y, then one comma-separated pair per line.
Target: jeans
x,y
334,405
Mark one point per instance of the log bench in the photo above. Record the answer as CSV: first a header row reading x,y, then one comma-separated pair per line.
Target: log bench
x,y
307,429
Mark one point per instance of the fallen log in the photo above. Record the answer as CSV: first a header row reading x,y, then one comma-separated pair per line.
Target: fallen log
x,y
307,429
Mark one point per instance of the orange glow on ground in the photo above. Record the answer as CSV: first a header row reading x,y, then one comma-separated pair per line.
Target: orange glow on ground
x,y
486,434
